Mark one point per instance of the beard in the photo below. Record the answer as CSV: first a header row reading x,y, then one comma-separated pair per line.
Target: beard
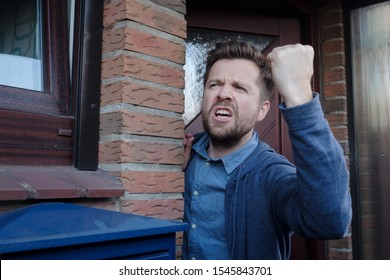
x,y
227,135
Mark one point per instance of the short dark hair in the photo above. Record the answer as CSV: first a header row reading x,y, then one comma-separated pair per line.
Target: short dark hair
x,y
242,50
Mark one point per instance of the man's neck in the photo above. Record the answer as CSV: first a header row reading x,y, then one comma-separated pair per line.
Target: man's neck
x,y
220,150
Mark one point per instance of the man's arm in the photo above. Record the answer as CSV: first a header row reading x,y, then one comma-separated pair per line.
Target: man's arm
x,y
314,202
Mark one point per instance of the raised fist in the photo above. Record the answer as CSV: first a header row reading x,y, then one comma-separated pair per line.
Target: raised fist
x,y
292,70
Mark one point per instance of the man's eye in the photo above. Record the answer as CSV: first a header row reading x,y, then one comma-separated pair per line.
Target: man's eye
x,y
241,89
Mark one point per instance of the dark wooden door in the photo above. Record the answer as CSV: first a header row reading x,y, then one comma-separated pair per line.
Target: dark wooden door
x,y
273,129
282,31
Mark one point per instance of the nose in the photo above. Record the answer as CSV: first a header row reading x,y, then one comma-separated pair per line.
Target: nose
x,y
225,92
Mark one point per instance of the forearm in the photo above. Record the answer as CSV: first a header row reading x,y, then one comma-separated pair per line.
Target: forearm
x,y
322,179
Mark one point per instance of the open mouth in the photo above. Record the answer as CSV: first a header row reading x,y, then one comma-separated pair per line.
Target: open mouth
x,y
223,113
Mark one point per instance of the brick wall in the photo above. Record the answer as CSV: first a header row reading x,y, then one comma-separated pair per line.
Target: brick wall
x,y
335,94
142,102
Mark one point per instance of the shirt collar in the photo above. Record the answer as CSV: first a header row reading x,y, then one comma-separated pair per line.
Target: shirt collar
x,y
232,160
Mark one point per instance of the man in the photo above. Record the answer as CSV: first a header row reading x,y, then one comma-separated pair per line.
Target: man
x,y
243,200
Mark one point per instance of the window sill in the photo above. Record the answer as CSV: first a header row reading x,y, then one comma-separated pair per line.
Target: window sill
x,y
19,182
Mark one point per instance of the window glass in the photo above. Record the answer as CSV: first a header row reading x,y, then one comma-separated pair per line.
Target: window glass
x,y
71,15
370,42
199,43
21,44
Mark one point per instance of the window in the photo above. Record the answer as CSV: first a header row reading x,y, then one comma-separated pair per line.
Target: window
x,y
50,60
370,44
44,97
36,109
21,45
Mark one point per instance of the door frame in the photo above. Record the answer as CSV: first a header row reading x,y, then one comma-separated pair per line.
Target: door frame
x,y
273,25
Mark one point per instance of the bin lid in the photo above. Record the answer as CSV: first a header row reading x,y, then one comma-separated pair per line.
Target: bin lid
x,y
46,225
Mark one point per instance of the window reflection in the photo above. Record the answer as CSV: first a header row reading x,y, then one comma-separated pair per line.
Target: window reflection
x,y
199,43
21,44
370,28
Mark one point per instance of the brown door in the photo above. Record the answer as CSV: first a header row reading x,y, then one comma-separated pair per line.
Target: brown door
x,y
205,26
271,32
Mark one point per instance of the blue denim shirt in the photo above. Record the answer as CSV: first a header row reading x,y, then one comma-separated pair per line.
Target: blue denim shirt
x,y
204,211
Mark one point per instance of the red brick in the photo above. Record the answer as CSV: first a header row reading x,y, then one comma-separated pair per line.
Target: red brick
x,y
334,74
333,32
171,209
124,122
143,69
337,119
177,5
146,14
332,60
344,243
140,41
335,105
138,93
114,11
179,238
340,255
144,152
153,181
340,133
335,89
333,46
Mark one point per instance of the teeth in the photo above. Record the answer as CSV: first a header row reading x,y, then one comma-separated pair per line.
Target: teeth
x,y
223,112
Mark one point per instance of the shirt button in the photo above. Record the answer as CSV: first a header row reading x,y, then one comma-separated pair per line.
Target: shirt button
x,y
193,258
207,163
193,226
196,193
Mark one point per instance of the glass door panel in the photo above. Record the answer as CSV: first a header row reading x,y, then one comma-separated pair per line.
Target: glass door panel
x,y
199,43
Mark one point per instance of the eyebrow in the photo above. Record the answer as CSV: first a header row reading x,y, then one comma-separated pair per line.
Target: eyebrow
x,y
234,83
214,81
240,84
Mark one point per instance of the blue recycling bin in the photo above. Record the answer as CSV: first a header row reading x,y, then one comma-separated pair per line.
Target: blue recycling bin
x,y
64,231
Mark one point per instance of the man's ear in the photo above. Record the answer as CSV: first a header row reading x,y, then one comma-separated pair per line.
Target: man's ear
x,y
264,108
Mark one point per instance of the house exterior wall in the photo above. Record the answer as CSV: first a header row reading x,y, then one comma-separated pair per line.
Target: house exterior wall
x,y
334,94
142,101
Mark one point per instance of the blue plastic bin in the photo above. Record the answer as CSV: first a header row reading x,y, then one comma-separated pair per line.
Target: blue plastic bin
x,y
67,231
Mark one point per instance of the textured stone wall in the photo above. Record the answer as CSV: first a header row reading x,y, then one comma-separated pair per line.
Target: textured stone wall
x,y
142,102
